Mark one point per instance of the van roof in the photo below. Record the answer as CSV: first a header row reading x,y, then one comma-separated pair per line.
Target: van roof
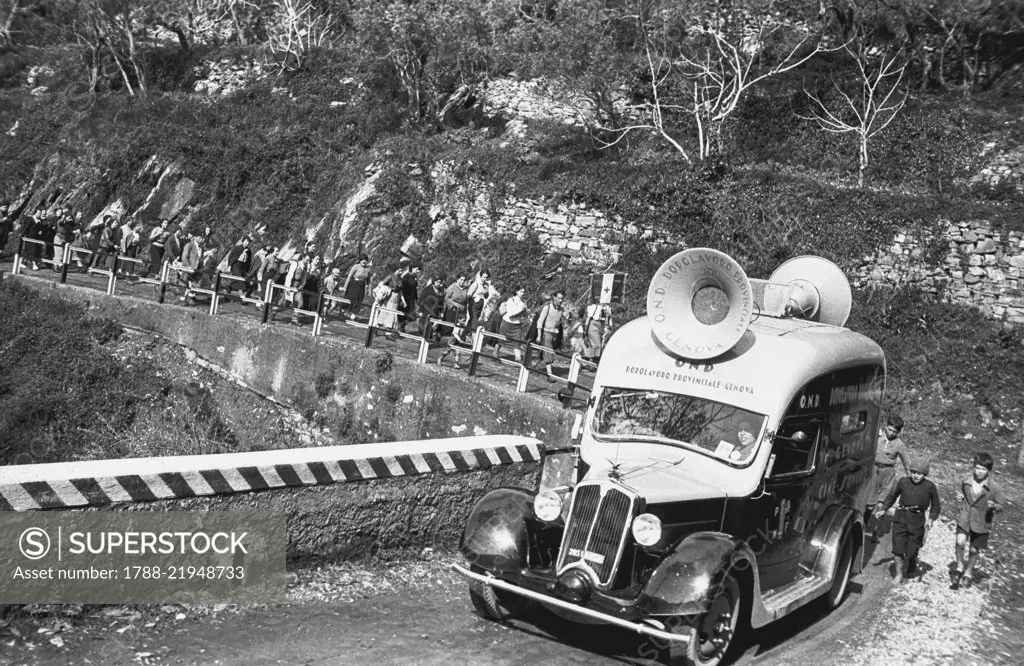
x,y
773,359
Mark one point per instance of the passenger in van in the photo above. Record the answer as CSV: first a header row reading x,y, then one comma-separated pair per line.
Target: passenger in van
x,y
919,507
889,448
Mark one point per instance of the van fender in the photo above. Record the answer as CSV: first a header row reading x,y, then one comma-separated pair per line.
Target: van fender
x,y
685,581
495,534
837,523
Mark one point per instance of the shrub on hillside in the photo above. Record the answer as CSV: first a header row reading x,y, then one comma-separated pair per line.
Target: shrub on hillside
x,y
921,335
60,388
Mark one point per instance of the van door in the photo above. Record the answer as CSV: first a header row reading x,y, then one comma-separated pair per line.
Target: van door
x,y
788,489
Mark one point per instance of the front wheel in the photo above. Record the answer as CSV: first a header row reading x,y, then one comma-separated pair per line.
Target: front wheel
x,y
711,633
841,582
497,605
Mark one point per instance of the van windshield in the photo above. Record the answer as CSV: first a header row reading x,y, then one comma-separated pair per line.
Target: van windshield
x,y
714,428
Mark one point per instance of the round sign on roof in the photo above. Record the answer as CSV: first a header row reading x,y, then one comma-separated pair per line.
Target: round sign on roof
x,y
699,303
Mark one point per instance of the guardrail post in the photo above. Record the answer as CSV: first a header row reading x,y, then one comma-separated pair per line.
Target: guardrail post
x,y
373,322
215,296
318,317
165,268
268,294
523,380
478,345
573,379
65,258
112,278
421,356
16,269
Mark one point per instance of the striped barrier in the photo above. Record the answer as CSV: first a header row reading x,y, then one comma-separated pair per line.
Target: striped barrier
x,y
104,482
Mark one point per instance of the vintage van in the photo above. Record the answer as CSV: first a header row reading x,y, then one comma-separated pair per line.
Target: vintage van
x,y
719,477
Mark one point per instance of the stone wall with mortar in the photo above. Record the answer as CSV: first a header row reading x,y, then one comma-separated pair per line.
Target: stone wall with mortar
x,y
981,267
584,234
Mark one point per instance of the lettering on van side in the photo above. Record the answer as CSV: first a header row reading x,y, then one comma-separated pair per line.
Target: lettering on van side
x,y
840,395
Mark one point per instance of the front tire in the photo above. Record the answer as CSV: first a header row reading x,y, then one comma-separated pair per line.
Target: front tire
x,y
496,605
713,632
841,582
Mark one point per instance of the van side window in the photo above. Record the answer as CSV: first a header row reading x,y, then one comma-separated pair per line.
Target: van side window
x,y
794,447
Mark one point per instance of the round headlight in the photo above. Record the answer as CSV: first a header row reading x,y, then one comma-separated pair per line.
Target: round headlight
x,y
547,505
647,529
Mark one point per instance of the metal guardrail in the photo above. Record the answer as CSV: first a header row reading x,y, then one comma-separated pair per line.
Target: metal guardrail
x,y
277,299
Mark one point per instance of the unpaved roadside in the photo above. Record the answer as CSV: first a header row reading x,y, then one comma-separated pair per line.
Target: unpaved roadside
x,y
411,613
418,613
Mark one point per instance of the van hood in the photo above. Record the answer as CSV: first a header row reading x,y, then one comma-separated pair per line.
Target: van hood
x,y
659,481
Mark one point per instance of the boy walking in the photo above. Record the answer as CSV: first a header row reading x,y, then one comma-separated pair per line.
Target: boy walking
x,y
889,448
980,499
919,507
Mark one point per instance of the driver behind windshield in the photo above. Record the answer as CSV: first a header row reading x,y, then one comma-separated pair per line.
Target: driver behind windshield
x,y
746,439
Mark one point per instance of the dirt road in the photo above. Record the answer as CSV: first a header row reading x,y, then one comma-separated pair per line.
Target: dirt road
x,y
426,624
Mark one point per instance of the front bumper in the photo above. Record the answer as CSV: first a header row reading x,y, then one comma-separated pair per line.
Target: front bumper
x,y
645,629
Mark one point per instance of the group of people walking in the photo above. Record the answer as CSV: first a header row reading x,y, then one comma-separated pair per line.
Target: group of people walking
x,y
980,498
472,301
465,303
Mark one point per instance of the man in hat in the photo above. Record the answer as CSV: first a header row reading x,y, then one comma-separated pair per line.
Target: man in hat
x,y
919,507
888,450
980,499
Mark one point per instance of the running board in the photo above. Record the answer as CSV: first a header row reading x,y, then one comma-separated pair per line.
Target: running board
x,y
784,600
488,579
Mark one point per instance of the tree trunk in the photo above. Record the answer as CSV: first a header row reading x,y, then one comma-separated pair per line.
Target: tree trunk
x,y
862,163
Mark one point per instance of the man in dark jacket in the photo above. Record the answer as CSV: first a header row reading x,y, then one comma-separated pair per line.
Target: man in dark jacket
x,y
918,509
104,257
175,245
239,260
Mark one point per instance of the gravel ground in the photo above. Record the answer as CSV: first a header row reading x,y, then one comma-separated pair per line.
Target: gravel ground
x,y
922,621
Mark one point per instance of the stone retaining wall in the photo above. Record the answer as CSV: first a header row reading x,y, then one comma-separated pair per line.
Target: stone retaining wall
x,y
584,234
982,267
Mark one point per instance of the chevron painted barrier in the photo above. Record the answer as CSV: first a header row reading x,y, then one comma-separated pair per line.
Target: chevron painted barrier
x,y
104,482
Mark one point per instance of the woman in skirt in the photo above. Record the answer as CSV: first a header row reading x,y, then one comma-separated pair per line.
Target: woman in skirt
x,y
513,322
355,284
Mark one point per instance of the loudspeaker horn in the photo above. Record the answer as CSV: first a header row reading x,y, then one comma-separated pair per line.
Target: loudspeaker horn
x,y
821,291
699,303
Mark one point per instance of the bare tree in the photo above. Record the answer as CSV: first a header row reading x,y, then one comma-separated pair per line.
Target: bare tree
x,y
870,112
299,28
9,11
702,66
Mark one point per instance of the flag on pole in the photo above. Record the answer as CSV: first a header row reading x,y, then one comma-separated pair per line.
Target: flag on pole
x,y
607,287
